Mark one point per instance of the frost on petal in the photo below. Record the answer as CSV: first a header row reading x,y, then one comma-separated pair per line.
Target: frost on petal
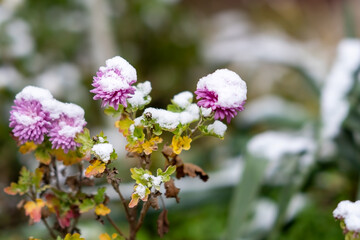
x,y
28,120
113,83
69,122
224,92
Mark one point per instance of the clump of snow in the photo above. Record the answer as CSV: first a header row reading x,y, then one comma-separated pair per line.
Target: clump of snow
x,y
140,190
30,93
103,150
218,128
227,85
141,92
68,130
25,119
183,99
334,103
350,213
101,139
205,112
170,120
110,81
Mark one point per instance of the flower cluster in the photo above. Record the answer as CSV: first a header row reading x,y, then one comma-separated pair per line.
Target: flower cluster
x,y
113,82
224,92
37,114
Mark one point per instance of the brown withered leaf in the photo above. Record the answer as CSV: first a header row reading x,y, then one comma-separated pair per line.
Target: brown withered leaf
x,y
153,200
191,170
171,190
163,223
72,182
168,152
111,176
88,182
46,173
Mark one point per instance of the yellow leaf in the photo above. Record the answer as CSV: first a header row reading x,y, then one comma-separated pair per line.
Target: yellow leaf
x,y
104,236
95,168
134,147
180,143
75,236
69,158
27,147
123,125
102,210
114,235
32,238
151,145
33,209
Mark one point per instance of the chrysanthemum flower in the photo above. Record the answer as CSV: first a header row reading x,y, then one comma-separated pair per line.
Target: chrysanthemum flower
x,y
113,82
27,117
224,92
66,124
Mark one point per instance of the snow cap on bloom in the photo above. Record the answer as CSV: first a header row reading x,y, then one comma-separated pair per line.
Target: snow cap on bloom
x,y
103,151
30,122
67,121
224,92
113,82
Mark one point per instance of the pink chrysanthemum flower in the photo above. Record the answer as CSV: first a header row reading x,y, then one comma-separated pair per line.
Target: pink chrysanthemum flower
x,y
67,121
113,82
27,118
224,92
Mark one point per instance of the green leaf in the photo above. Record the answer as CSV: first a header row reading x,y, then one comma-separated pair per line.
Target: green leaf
x,y
43,155
86,205
85,140
173,108
110,111
139,133
37,177
166,175
157,130
137,175
113,155
100,196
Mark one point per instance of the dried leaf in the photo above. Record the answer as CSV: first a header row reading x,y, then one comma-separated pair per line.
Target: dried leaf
x,y
163,223
102,210
27,147
87,182
95,168
72,182
191,170
153,200
171,190
33,209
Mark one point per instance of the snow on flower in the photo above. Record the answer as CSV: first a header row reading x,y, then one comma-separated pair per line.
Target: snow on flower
x,y
27,118
224,92
113,82
350,213
68,120
103,150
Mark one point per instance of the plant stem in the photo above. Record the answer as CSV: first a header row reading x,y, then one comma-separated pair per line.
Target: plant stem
x,y
114,225
123,201
143,212
48,228
53,162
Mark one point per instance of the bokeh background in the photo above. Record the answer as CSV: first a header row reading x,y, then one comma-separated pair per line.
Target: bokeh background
x,y
286,161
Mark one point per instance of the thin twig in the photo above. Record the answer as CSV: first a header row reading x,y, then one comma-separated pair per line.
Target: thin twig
x,y
53,235
143,212
114,225
123,201
53,161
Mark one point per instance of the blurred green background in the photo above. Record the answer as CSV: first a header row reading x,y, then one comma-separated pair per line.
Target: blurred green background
x,y
286,161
